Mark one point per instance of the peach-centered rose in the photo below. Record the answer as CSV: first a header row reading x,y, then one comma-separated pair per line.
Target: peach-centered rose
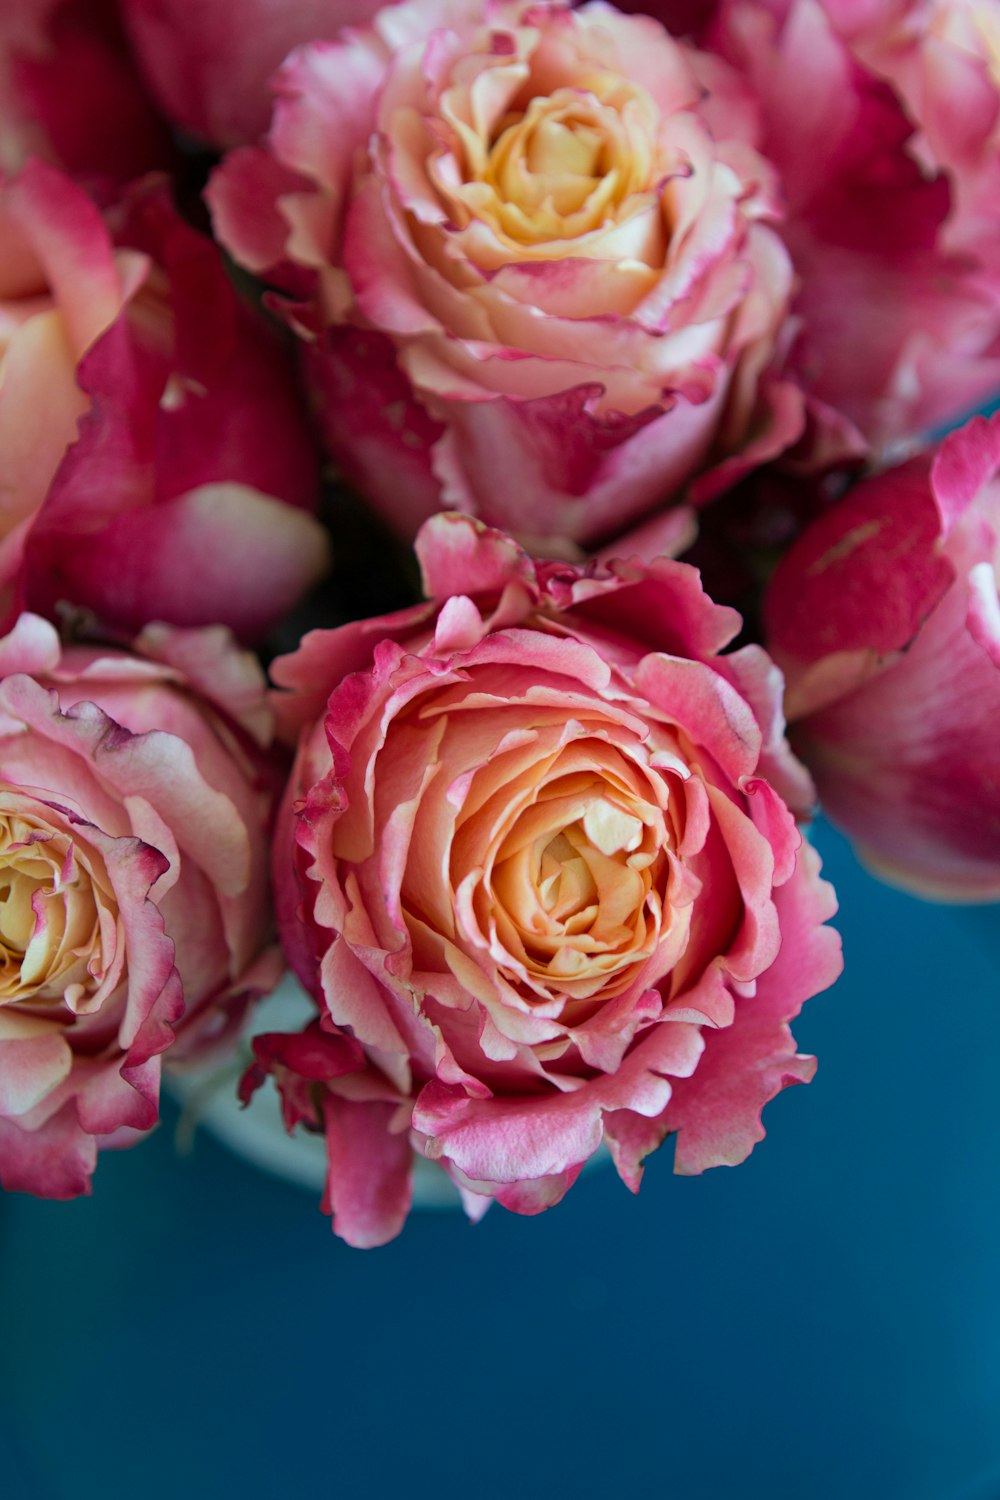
x,y
538,868
545,277
133,893
54,903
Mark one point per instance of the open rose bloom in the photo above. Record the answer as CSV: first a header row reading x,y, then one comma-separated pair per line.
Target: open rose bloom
x,y
539,868
885,617
548,286
133,889
560,291
558,268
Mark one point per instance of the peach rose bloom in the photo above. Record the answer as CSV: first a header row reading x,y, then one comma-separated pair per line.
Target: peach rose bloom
x,y
134,917
537,866
544,281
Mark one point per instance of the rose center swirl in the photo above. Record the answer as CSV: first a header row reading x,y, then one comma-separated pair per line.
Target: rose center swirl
x,y
49,922
558,168
577,886
549,165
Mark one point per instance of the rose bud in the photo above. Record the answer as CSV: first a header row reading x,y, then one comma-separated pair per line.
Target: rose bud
x,y
885,619
538,866
134,917
537,257
154,455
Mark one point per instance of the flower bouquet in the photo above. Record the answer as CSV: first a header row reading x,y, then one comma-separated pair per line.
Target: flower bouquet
x,y
572,410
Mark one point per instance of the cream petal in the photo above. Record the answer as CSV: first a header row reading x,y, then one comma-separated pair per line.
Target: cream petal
x,y
610,828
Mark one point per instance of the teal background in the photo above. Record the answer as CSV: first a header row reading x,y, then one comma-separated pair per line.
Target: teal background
x,y
823,1322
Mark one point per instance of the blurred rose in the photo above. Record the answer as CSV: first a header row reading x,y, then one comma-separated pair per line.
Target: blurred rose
x,y
545,282
886,620
209,61
898,331
192,465
133,888
537,866
70,93
943,57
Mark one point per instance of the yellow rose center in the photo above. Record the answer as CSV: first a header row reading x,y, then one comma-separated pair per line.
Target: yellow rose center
x,y
49,921
552,169
577,884
555,166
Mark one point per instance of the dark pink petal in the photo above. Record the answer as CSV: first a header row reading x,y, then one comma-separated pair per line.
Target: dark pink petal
x,y
55,1161
209,64
553,468
368,416
659,604
244,197
113,1095
458,555
908,764
313,1054
631,1138
965,462
73,246
510,1139
186,561
760,682
858,583
534,1197
194,448
368,1187
704,704
79,88
716,1112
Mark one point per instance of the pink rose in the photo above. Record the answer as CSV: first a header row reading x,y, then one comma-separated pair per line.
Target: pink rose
x,y
209,61
70,93
898,331
538,867
535,252
133,902
153,452
943,58
886,621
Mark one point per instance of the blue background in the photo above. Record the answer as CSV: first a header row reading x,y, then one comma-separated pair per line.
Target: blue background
x,y
822,1322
